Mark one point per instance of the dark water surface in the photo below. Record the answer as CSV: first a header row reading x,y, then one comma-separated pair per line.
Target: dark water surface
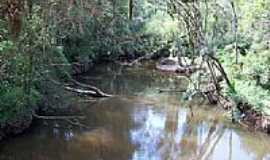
x,y
138,124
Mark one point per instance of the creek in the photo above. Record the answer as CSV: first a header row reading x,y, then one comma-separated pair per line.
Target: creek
x,y
139,123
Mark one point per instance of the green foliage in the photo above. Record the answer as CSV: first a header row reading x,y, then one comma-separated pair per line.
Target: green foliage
x,y
108,32
14,100
5,46
17,62
161,24
251,78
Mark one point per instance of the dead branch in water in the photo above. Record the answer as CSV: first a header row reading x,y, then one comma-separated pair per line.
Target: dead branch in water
x,y
89,89
170,90
73,120
77,87
58,117
81,91
77,123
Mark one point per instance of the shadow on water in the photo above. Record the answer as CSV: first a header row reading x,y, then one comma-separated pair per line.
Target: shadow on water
x,y
138,124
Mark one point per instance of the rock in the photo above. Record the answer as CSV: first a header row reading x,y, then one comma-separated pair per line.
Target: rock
x,y
168,64
167,61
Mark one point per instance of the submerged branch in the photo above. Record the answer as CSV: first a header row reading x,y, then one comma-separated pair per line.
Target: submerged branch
x,y
170,90
69,119
77,123
58,117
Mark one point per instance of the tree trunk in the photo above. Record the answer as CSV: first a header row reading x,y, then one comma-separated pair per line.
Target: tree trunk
x,y
130,9
235,28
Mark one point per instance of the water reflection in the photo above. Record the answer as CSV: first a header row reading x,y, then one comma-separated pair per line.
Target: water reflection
x,y
141,124
148,136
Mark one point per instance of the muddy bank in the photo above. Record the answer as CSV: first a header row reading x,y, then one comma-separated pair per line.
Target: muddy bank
x,y
16,125
253,119
22,120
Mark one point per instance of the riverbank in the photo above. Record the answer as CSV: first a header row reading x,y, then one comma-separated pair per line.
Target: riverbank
x,y
214,89
16,125
16,120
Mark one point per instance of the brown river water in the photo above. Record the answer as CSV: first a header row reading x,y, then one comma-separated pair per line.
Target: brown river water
x,y
139,123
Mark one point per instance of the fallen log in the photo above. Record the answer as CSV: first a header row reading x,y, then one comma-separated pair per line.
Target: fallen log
x,y
81,91
89,89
